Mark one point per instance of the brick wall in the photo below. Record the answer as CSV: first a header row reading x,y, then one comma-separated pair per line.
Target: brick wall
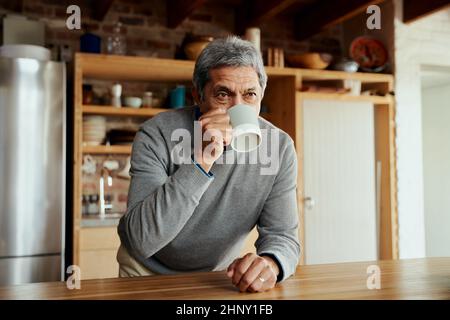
x,y
425,42
145,26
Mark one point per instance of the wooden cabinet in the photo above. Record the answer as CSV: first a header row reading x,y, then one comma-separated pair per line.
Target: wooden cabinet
x,y
98,250
284,98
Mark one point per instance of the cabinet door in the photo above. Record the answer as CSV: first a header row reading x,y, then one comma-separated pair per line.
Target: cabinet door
x,y
98,250
339,181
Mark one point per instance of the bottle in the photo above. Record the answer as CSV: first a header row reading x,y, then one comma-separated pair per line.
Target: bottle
x,y
108,203
93,204
147,99
116,92
116,43
85,204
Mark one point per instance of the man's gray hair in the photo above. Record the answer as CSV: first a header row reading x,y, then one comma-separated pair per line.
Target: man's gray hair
x,y
227,52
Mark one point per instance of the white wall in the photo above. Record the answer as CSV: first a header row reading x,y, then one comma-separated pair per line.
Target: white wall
x,y
436,169
424,42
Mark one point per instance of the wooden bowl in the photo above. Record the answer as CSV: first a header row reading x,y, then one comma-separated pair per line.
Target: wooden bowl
x,y
194,48
310,60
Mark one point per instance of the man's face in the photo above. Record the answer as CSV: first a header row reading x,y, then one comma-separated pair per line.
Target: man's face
x,y
229,86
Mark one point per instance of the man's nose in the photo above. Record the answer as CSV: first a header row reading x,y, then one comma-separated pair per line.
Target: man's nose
x,y
237,99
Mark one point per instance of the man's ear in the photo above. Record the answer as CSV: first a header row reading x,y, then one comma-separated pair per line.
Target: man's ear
x,y
196,96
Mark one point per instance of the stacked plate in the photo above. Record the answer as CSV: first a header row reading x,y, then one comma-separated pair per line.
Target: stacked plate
x,y
94,130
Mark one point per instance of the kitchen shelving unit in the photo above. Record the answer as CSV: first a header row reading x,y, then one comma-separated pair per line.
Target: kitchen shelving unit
x,y
284,98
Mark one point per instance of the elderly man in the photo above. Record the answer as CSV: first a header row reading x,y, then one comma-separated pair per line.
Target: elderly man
x,y
196,216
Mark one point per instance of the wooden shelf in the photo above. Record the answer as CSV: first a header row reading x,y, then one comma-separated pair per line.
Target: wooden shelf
x,y
124,111
126,149
108,67
116,67
377,100
283,97
311,74
128,68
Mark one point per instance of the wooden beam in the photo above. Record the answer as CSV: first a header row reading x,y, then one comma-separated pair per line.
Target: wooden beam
x,y
266,10
324,14
414,10
101,8
178,10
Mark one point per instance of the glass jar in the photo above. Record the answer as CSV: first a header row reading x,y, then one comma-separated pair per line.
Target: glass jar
x,y
85,205
147,99
116,43
93,204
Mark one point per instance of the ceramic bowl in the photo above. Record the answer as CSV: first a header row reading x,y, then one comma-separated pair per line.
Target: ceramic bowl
x,y
196,46
346,65
133,102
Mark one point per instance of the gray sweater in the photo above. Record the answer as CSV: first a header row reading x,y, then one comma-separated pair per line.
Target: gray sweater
x,y
180,220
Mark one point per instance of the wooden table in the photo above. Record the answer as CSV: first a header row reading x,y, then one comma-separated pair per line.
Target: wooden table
x,y
402,279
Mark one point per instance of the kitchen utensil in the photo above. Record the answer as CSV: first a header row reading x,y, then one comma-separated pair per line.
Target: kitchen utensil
x,y
116,43
246,131
310,60
195,46
94,130
147,99
111,164
370,53
116,92
89,164
177,97
133,102
346,65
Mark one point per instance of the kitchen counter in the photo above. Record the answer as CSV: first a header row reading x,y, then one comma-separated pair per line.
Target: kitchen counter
x,y
401,279
95,221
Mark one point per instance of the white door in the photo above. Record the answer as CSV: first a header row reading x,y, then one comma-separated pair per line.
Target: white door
x,y
436,165
339,177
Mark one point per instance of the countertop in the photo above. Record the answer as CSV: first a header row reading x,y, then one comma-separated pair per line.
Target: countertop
x,y
95,221
401,279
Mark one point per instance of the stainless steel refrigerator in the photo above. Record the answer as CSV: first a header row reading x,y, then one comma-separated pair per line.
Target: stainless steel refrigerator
x,y
32,170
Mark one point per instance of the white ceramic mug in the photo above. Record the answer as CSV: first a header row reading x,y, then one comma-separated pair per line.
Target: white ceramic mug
x,y
246,132
89,164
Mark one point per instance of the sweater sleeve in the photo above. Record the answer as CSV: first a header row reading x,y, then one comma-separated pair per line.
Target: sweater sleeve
x,y
158,205
278,222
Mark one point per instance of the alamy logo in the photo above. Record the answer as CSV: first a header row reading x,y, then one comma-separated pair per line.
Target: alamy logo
x,y
74,20
374,277
374,20
74,281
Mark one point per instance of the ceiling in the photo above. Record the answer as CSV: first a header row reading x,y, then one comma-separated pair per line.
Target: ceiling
x,y
310,16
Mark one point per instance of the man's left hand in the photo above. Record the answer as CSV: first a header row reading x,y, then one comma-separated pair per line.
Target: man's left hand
x,y
253,273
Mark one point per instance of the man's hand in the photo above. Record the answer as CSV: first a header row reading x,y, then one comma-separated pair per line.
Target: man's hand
x,y
253,273
216,132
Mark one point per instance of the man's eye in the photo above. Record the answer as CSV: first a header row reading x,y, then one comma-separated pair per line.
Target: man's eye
x,y
222,94
251,94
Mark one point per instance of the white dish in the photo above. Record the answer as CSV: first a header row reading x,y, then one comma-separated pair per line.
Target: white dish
x,y
133,102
